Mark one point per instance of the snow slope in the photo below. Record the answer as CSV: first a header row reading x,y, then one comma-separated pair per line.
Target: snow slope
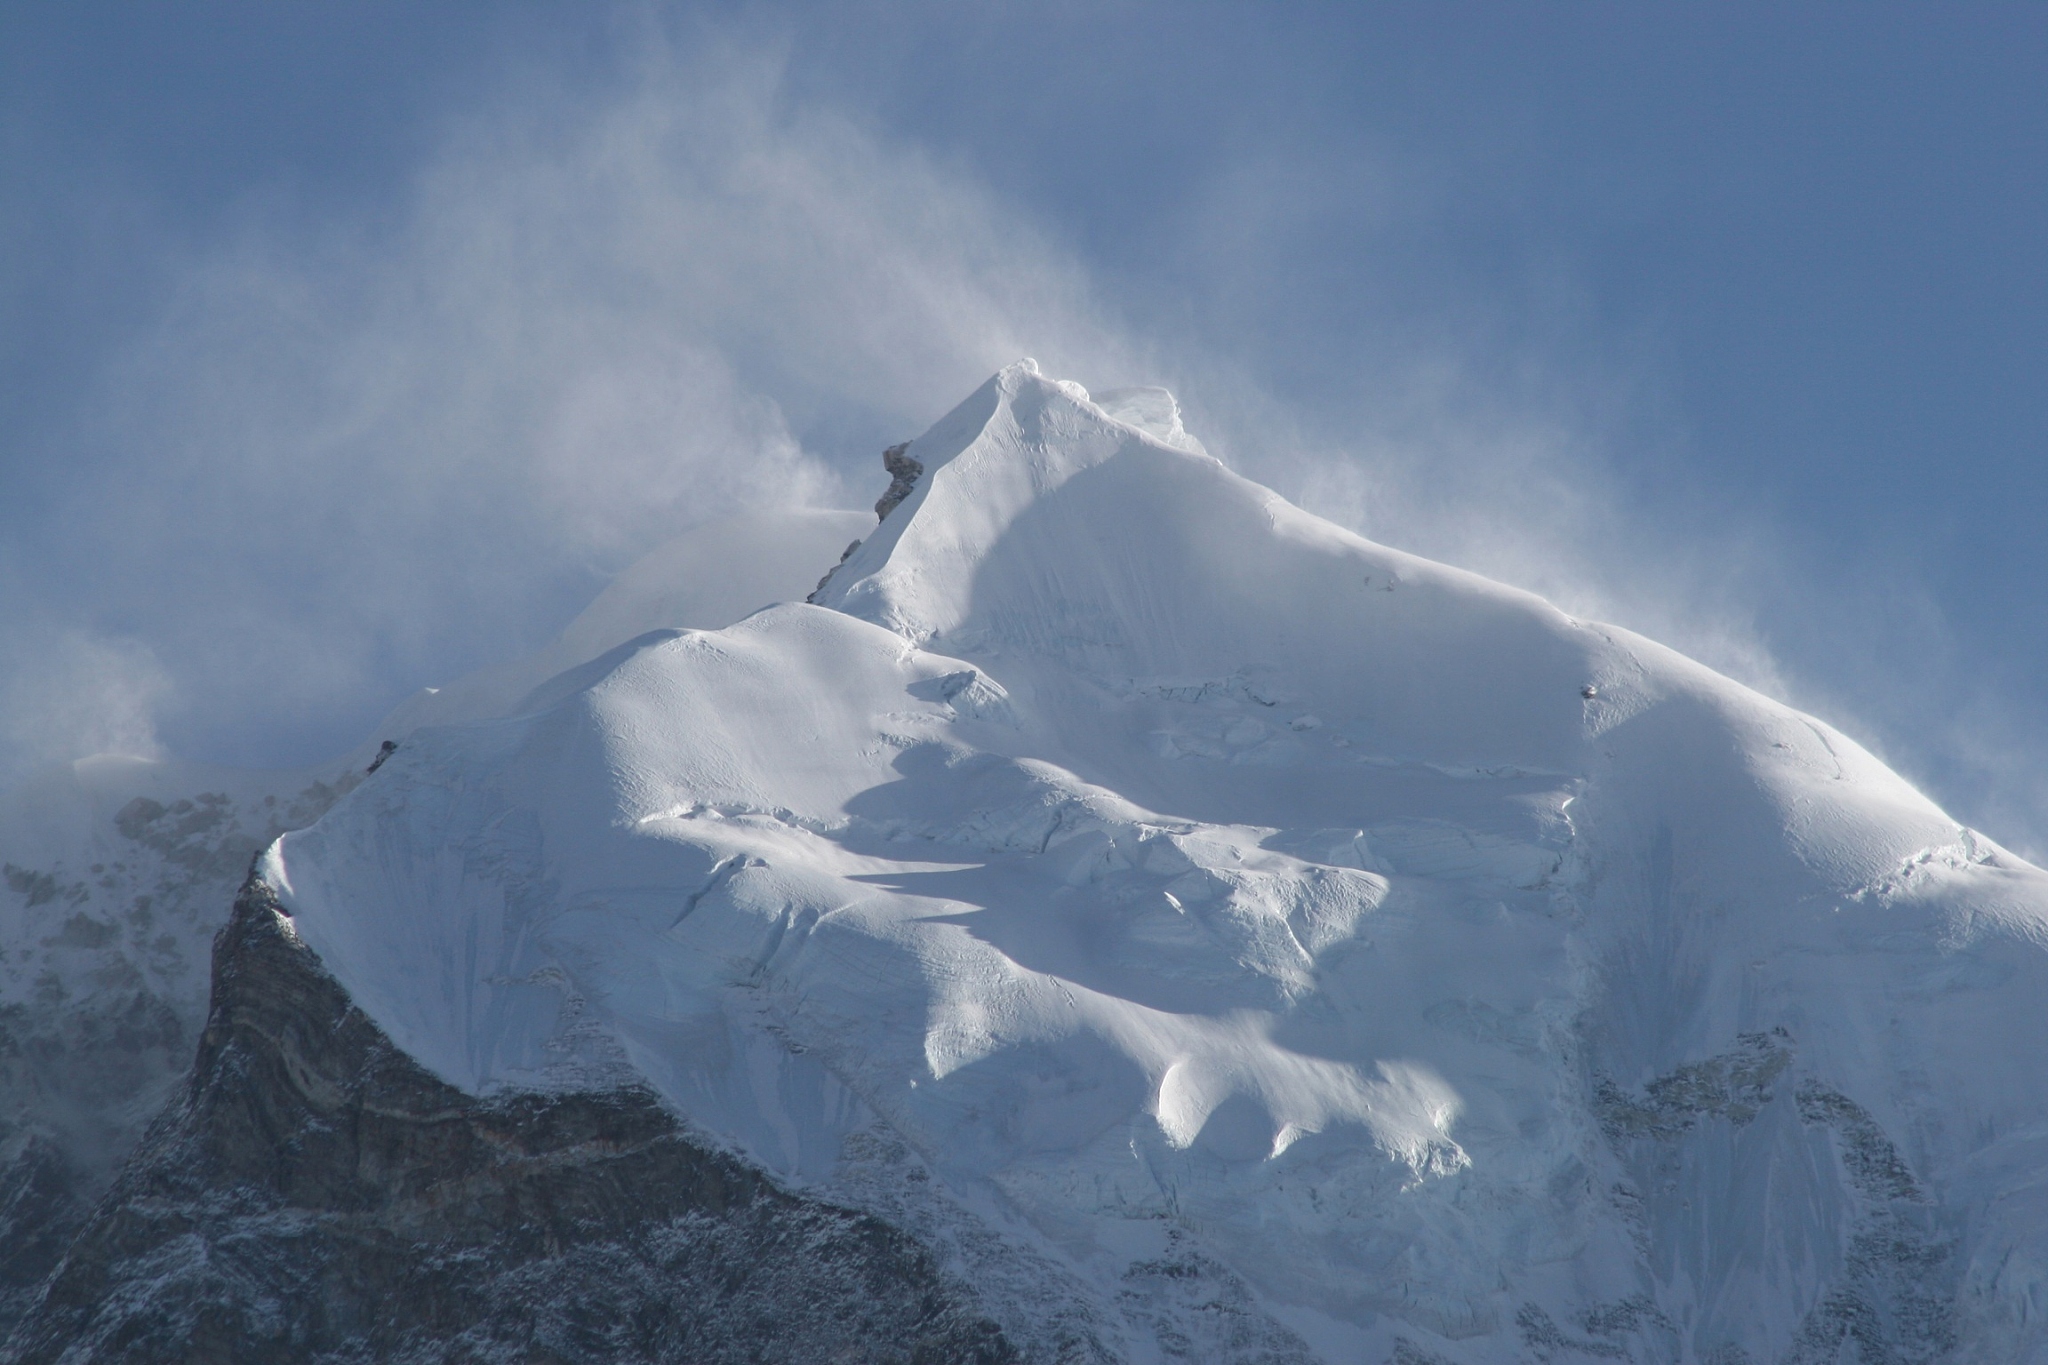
x,y
1275,945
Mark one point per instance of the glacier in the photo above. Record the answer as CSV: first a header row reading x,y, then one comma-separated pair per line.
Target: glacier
x,y
1220,937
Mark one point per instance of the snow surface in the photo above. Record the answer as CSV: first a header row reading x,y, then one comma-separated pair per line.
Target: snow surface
x,y
1175,873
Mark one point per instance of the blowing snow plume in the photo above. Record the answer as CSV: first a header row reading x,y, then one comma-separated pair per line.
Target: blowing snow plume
x,y
352,457
351,452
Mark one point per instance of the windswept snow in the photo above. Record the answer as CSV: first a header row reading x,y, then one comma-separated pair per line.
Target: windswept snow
x,y
709,577
1184,881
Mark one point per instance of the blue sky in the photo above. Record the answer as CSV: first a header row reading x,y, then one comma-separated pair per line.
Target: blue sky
x,y
346,347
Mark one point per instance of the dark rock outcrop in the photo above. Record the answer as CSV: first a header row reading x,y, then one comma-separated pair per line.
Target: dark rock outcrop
x,y
818,591
904,472
104,982
315,1195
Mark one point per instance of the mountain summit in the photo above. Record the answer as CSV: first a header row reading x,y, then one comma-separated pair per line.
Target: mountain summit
x,y
1209,935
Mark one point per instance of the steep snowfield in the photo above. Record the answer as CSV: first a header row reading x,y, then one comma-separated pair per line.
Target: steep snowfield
x,y
1134,883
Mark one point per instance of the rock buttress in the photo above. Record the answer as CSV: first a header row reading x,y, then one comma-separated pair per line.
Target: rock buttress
x,y
315,1195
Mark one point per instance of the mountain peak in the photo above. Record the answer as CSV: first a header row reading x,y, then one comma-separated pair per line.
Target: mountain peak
x,y
1173,877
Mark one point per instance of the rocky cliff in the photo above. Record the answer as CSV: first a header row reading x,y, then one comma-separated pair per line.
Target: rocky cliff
x,y
115,875
315,1195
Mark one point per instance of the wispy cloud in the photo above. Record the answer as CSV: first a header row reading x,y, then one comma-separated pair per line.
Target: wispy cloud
x,y
1556,459
1439,421
361,453
67,692
349,457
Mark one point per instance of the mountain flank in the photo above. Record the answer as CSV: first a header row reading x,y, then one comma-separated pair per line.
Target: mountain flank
x,y
315,1195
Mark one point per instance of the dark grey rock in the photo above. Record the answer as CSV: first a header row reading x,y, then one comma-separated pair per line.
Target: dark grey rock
x,y
1895,1299
1734,1086
819,591
904,473
315,1195
1892,1302
103,991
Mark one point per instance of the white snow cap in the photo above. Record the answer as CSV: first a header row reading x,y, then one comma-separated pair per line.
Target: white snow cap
x,y
1173,873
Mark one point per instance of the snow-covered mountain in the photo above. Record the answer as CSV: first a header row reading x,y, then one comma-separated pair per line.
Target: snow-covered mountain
x,y
1212,936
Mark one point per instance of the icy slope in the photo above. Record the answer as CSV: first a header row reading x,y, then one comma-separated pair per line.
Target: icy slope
x,y
1210,897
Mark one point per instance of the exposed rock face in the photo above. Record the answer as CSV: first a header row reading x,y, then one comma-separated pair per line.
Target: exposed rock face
x,y
844,556
315,1195
904,473
108,900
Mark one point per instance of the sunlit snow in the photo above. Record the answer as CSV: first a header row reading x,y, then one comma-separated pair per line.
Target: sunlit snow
x,y
1157,860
